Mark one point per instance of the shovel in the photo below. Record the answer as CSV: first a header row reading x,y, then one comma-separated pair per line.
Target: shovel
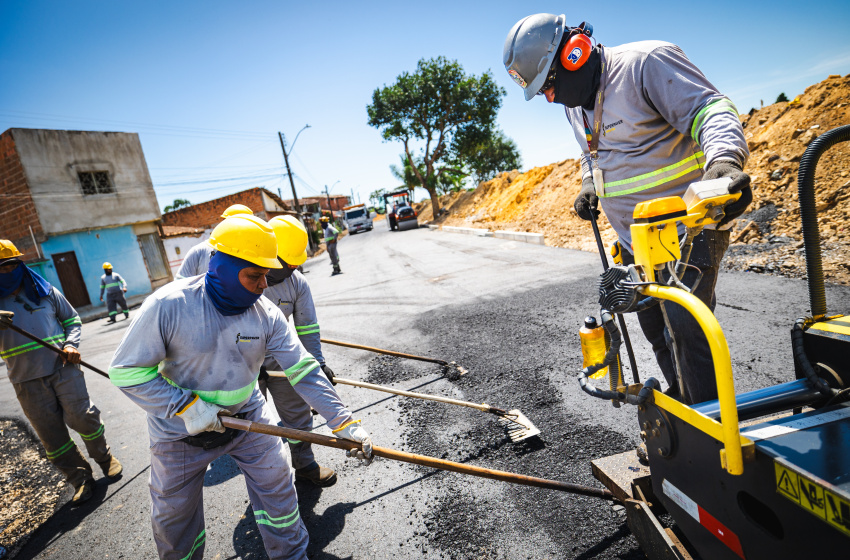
x,y
424,460
517,425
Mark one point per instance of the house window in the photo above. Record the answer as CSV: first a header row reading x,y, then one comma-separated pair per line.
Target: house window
x,y
95,182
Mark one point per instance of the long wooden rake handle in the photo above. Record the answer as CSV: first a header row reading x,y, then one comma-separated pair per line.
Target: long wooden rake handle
x,y
482,407
49,346
382,351
424,460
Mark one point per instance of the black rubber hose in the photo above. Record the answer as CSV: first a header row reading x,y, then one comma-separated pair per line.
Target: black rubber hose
x,y
799,352
808,214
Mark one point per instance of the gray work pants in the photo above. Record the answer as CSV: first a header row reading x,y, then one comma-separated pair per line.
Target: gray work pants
x,y
58,400
295,414
691,349
333,254
113,300
177,485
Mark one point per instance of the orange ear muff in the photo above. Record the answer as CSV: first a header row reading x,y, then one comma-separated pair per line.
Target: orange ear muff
x,y
576,52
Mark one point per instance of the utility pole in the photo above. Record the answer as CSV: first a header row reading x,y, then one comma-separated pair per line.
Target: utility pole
x,y
292,182
327,194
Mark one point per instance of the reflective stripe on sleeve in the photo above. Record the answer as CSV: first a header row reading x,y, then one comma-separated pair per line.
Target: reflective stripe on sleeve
x,y
307,329
128,377
719,106
72,321
222,398
655,178
262,517
297,372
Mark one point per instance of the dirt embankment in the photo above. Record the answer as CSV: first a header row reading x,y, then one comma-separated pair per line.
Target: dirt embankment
x,y
766,239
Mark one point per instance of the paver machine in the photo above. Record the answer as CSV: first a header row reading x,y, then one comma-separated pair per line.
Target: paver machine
x,y
762,474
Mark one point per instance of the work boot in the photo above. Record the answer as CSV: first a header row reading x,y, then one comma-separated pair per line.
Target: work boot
x,y
112,469
83,492
111,319
318,475
126,314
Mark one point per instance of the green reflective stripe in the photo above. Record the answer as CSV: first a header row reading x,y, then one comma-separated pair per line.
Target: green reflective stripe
x,y
263,518
72,321
719,106
222,398
308,332
198,542
655,178
307,329
127,377
297,372
111,313
95,435
62,450
112,285
293,441
24,348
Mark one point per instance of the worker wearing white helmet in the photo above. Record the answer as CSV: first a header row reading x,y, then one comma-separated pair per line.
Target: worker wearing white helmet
x,y
51,390
649,123
197,259
289,291
115,286
194,351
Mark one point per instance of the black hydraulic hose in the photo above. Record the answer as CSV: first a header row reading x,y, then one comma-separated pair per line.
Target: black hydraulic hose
x,y
799,352
808,214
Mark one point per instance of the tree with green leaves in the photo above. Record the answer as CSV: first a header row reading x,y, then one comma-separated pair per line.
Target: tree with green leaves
x,y
177,204
439,113
781,97
490,156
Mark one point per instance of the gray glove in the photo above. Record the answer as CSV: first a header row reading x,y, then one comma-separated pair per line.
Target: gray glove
x,y
740,183
586,201
329,373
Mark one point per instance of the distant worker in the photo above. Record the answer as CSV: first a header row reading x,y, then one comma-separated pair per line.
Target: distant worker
x,y
197,259
193,352
51,390
331,237
664,126
289,291
115,287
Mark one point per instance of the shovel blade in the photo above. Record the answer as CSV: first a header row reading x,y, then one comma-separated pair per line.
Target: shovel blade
x,y
518,426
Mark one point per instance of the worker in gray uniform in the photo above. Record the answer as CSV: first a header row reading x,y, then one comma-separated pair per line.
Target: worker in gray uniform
x,y
115,288
193,352
331,238
664,126
197,259
288,290
51,390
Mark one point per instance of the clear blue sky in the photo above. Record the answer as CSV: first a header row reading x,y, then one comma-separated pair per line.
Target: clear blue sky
x,y
207,85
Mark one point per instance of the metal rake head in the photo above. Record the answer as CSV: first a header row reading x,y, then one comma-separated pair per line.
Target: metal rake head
x,y
518,426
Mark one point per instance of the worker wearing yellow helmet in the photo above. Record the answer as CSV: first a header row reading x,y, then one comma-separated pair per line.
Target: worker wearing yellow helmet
x,y
289,291
193,351
115,287
51,389
197,259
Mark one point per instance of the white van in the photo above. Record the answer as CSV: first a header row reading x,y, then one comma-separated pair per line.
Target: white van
x,y
357,218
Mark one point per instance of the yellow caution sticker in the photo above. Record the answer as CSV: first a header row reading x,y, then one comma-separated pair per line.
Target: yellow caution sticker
x,y
813,497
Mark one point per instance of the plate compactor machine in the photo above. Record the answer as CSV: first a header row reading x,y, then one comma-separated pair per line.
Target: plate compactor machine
x,y
763,474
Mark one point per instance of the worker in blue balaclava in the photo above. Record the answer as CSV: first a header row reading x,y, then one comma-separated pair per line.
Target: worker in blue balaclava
x,y
195,350
51,390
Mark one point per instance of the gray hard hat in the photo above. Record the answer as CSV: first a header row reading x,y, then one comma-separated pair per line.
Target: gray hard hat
x,y
530,49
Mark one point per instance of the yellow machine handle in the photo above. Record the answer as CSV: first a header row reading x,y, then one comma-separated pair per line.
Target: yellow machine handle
x,y
731,455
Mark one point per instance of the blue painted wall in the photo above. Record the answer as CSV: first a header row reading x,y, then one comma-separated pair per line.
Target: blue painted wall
x,y
118,246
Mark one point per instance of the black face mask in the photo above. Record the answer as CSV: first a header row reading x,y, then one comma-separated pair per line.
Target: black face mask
x,y
277,275
578,87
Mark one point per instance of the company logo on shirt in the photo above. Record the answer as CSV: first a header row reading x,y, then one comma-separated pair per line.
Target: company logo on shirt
x,y
607,127
281,302
240,337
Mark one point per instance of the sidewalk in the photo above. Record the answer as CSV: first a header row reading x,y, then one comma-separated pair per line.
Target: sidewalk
x,y
90,313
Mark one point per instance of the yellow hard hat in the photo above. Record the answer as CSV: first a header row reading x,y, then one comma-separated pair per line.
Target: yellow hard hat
x,y
106,265
291,239
246,237
8,250
235,210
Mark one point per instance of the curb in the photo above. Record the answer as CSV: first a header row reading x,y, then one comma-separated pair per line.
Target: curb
x,y
523,236
468,231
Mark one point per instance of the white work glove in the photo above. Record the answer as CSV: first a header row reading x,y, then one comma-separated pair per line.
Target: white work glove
x,y
353,431
200,416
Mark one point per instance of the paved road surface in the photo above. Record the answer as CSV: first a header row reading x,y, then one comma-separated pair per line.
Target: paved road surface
x,y
507,311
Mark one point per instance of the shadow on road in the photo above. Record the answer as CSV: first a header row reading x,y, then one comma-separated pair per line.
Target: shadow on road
x,y
67,518
221,470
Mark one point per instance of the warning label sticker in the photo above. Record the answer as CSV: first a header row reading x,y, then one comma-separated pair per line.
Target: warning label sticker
x,y
812,497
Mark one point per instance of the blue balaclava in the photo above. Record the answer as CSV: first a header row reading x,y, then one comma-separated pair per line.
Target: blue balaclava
x,y
227,293
35,287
